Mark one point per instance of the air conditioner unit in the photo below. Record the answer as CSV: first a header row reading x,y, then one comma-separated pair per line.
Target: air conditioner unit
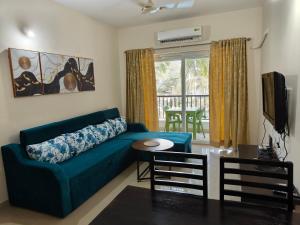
x,y
184,35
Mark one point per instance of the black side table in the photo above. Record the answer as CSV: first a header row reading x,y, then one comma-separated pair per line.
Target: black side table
x,y
149,145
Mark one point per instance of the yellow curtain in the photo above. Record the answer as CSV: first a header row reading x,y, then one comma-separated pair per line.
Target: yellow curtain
x,y
141,97
228,94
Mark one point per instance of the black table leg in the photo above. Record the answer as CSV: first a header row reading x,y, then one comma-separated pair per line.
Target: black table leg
x,y
141,176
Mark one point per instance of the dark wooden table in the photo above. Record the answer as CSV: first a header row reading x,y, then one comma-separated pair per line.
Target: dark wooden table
x,y
139,206
247,151
250,152
162,145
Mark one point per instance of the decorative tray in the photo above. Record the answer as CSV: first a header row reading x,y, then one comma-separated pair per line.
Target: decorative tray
x,y
151,143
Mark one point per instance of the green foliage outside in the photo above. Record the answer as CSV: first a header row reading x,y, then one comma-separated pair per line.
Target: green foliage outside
x,y
168,76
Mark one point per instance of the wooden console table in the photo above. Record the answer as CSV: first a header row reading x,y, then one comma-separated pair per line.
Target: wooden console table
x,y
250,152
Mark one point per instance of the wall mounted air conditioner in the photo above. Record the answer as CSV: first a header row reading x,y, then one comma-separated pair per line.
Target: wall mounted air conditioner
x,y
179,36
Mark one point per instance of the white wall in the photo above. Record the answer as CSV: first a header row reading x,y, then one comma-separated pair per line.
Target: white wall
x,y
243,23
281,53
58,30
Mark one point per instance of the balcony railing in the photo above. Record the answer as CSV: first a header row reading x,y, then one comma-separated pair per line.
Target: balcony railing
x,y
192,101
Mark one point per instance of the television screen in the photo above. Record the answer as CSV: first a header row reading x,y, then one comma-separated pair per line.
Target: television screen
x,y
275,100
268,97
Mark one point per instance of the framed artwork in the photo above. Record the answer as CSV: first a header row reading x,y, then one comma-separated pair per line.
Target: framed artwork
x,y
86,75
41,73
25,72
60,73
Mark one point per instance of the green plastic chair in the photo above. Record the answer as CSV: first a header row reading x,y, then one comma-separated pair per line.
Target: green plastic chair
x,y
173,119
199,125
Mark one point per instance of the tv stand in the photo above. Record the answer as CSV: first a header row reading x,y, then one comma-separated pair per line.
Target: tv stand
x,y
252,152
266,154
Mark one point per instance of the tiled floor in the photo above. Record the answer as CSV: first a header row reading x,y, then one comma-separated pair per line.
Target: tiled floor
x,y
90,209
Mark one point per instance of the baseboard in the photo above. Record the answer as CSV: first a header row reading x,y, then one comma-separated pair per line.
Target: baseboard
x,y
5,202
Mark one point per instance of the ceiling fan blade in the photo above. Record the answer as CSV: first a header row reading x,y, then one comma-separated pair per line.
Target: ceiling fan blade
x,y
145,11
170,6
185,4
155,10
146,4
150,10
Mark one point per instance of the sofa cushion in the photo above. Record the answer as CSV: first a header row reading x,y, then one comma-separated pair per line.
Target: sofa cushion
x,y
103,132
91,170
182,141
52,151
119,125
176,137
81,140
67,145
52,130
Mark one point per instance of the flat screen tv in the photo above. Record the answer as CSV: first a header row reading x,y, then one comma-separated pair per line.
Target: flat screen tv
x,y
275,100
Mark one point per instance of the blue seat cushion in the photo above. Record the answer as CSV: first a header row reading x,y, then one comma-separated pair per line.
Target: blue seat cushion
x,y
182,141
91,170
176,137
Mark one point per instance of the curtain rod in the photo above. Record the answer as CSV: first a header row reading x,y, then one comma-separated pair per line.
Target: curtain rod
x,y
183,46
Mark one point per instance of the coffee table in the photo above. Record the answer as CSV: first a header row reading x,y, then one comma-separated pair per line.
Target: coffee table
x,y
149,145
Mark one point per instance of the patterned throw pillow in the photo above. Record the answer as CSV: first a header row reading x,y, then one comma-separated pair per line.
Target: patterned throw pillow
x,y
119,125
103,132
67,145
82,140
63,147
53,151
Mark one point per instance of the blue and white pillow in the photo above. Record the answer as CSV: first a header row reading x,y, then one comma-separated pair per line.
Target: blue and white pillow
x,y
103,132
68,145
110,129
52,151
81,140
119,125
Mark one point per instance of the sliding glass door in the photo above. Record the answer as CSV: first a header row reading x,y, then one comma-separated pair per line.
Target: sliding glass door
x,y
197,97
182,93
169,93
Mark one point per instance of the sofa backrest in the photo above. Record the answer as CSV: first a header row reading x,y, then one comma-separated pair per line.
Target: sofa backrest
x,y
48,131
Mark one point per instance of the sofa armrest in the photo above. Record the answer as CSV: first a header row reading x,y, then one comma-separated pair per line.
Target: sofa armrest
x,y
35,185
136,127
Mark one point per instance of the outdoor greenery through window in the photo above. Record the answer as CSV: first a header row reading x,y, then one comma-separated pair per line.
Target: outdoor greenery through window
x,y
196,76
181,79
168,76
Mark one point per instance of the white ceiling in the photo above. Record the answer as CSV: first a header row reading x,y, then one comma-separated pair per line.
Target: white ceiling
x,y
122,13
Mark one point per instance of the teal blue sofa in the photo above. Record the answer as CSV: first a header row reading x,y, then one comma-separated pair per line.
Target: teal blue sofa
x,y
58,189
